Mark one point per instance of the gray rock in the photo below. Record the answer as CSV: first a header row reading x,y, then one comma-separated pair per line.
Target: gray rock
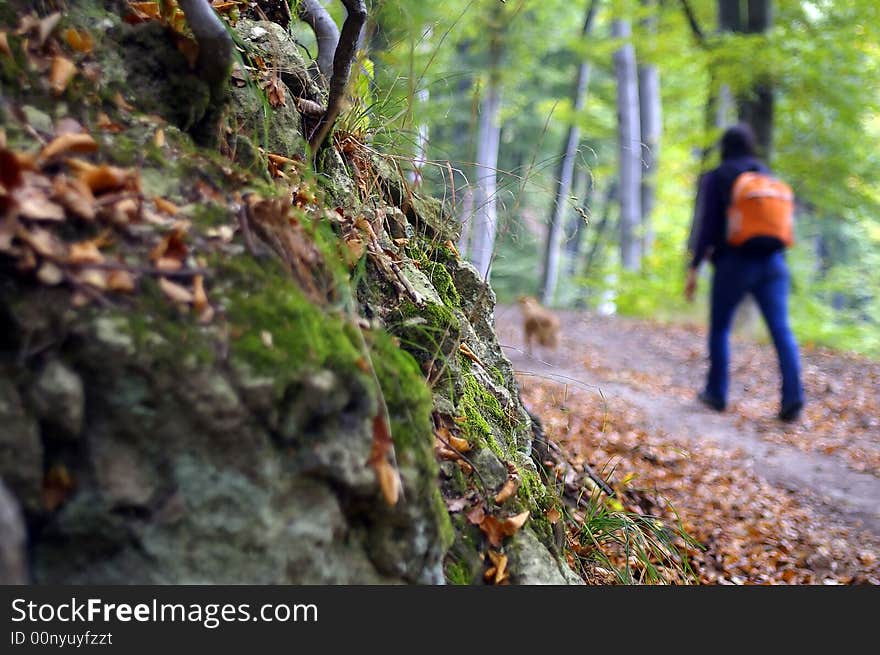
x,y
531,563
21,451
124,479
493,471
58,398
13,561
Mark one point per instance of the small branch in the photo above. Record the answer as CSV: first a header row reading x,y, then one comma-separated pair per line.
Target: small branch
x,y
697,31
215,44
315,15
342,60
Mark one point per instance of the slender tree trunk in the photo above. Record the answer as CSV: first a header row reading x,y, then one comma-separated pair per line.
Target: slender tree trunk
x,y
485,221
651,123
566,171
583,183
629,148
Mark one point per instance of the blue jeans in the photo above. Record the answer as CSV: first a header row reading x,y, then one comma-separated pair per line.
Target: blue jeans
x,y
766,278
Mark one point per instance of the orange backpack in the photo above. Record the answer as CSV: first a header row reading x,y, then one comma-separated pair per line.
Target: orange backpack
x,y
760,206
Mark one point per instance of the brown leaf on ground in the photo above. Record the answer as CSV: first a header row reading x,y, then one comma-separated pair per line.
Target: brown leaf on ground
x,y
33,204
47,25
60,74
496,529
389,480
104,177
176,292
499,572
381,451
476,515
75,196
4,45
79,40
461,445
10,169
510,487
84,252
58,484
43,242
171,251
120,281
121,102
67,143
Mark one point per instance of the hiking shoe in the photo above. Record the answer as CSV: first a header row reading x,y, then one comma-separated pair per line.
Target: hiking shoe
x,y
710,402
791,412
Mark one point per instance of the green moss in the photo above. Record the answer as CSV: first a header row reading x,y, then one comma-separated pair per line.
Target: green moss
x,y
168,333
429,332
209,214
458,573
262,299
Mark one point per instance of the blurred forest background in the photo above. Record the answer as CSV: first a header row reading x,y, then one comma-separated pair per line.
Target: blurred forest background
x,y
569,138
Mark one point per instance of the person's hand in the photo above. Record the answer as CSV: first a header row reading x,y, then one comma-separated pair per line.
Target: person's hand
x,y
690,285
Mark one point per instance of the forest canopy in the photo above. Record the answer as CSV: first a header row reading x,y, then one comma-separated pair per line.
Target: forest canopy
x,y
483,100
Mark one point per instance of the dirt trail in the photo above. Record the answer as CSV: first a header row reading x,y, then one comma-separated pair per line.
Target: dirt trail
x,y
657,370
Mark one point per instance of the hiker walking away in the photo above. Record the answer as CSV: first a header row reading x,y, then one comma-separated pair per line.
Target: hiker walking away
x,y
746,226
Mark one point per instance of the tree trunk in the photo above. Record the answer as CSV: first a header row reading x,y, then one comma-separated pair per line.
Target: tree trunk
x,y
650,116
566,171
629,148
485,221
583,185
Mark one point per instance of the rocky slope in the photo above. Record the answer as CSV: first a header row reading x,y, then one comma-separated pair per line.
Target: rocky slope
x,y
203,350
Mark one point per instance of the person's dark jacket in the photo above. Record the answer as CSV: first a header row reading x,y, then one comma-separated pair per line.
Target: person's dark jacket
x,y
714,198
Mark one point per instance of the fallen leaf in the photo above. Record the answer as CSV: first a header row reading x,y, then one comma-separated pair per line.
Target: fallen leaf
x,y
172,247
461,445
553,515
120,281
125,211
34,205
499,568
166,206
74,196
389,480
200,298
4,45
275,93
496,529
476,515
93,278
107,124
60,74
44,242
507,490
50,274
67,143
175,292
105,178
47,26
10,169
121,102
80,40
58,484
84,252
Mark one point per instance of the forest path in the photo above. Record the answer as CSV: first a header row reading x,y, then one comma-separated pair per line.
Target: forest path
x,y
830,458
